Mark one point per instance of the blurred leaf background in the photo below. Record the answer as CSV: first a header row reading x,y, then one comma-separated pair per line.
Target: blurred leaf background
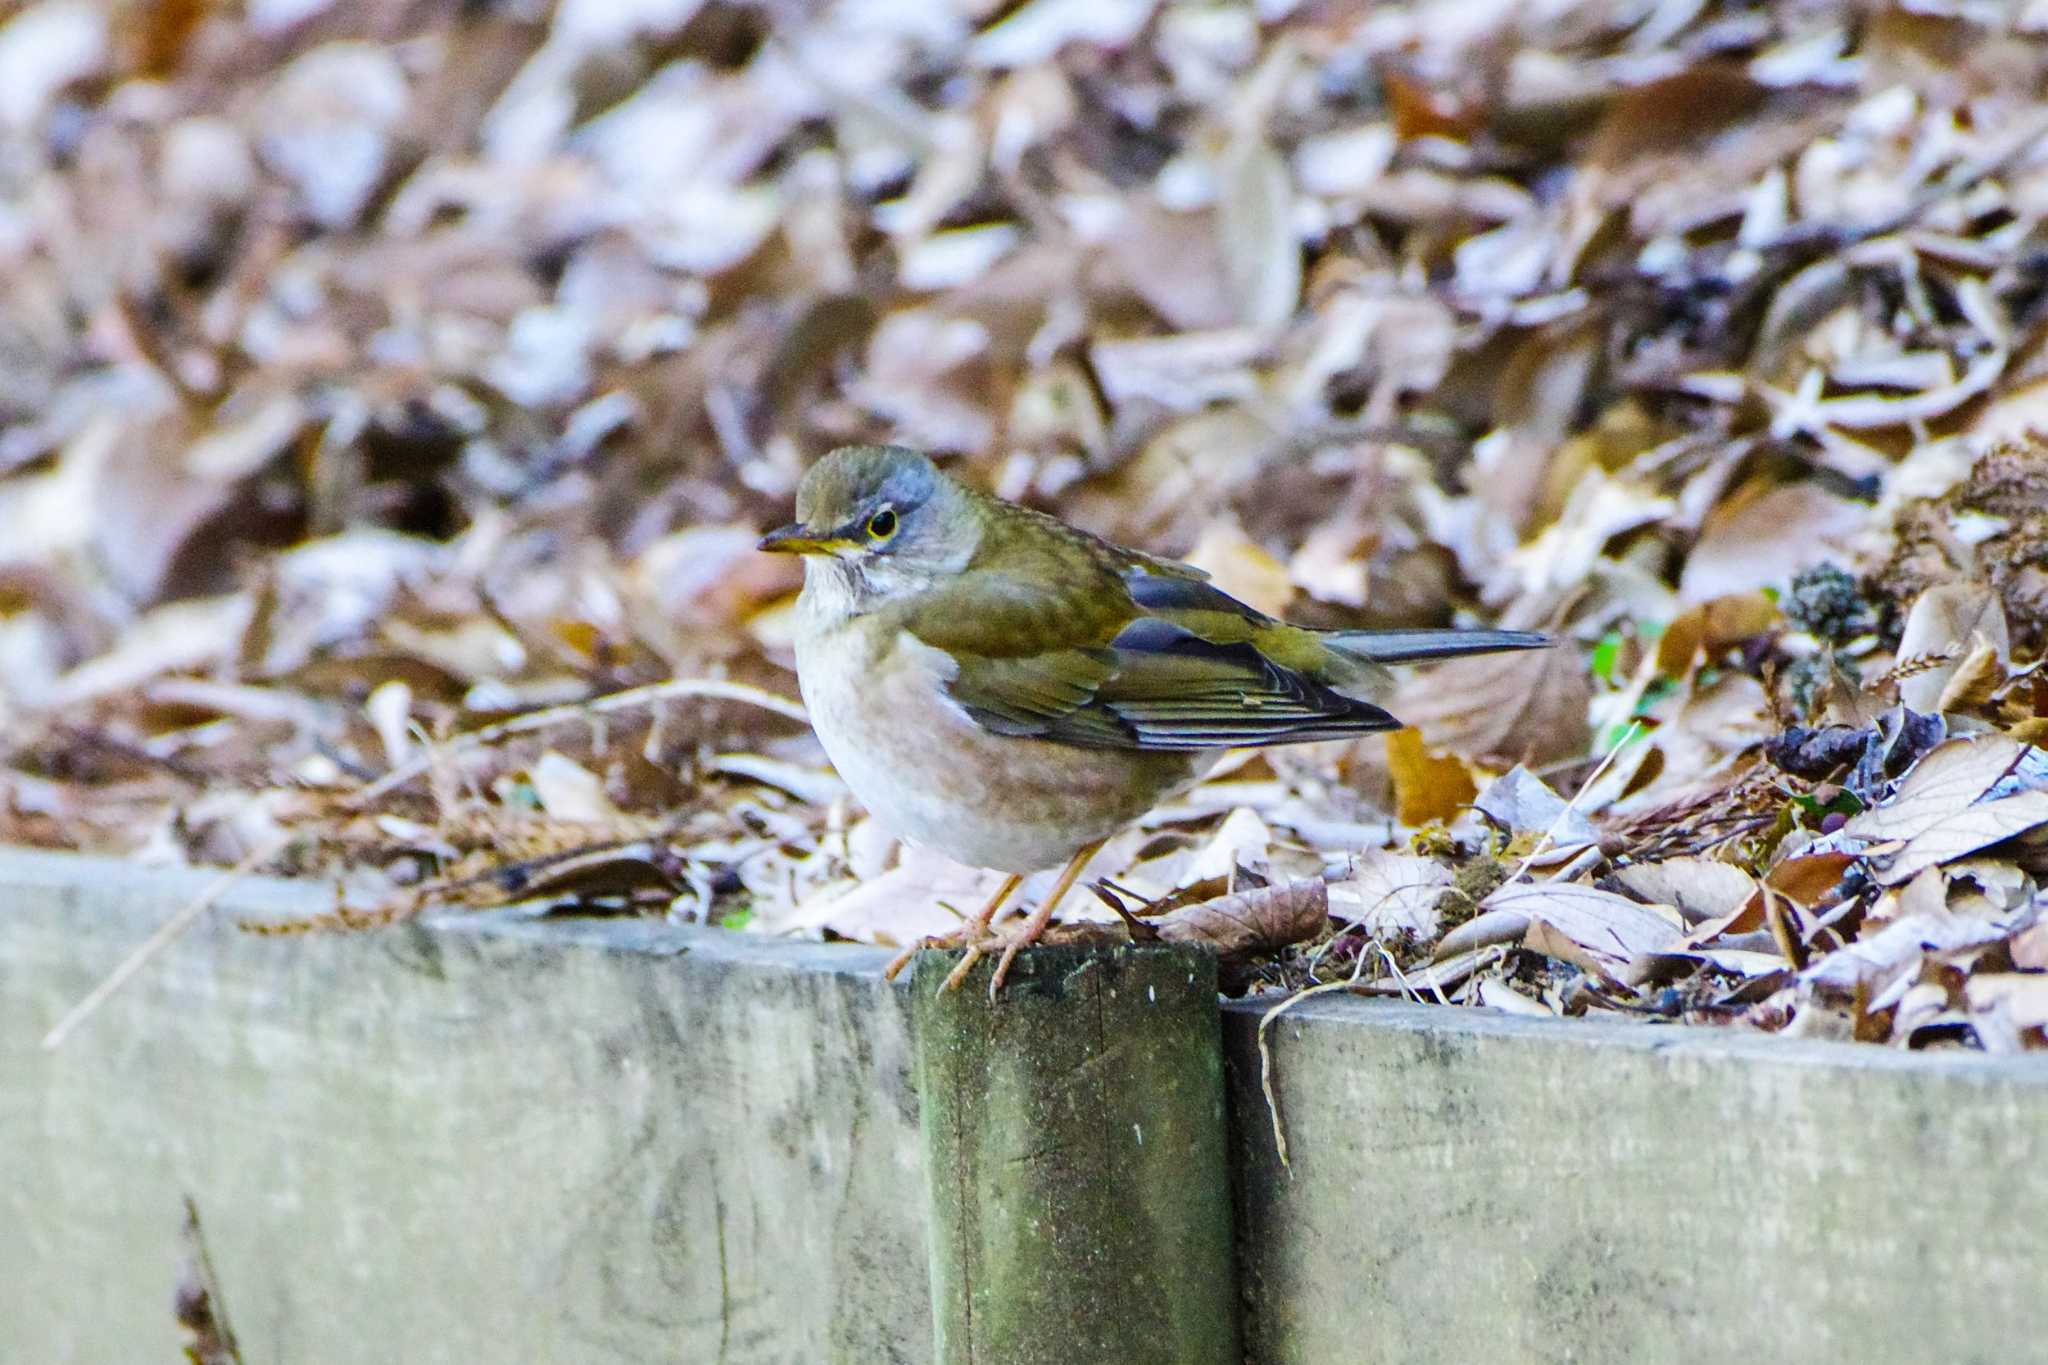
x,y
391,393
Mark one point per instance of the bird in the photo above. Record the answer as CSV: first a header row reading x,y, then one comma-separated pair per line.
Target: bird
x,y
1010,690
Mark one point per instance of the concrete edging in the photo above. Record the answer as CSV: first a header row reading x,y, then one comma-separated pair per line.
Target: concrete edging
x,y
512,1139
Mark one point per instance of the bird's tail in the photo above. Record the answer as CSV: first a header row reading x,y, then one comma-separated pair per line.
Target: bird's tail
x,y
1414,646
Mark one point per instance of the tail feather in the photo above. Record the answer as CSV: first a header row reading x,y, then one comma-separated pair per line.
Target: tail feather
x,y
1413,646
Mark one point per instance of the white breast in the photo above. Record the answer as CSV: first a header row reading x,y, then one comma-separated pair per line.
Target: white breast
x,y
931,775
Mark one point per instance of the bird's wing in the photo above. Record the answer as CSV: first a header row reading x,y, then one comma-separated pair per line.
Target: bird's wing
x,y
1098,647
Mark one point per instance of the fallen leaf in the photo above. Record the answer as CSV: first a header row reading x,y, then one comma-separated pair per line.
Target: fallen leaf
x,y
1766,539
1251,923
1426,786
1392,895
1809,878
1877,959
1525,707
1597,930
1952,776
2022,995
1963,832
1502,924
1700,889
569,791
1944,623
1255,221
1497,994
1709,627
1521,802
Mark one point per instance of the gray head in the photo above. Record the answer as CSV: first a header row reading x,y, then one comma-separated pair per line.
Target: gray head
x,y
880,518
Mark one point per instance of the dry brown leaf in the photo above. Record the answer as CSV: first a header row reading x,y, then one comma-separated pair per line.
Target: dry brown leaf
x,y
1952,776
1251,923
1878,959
1526,707
1809,878
1699,888
1710,627
1963,832
1944,623
1766,538
1975,678
1427,786
1392,895
1597,930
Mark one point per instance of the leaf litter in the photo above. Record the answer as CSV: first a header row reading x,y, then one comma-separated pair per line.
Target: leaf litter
x,y
393,394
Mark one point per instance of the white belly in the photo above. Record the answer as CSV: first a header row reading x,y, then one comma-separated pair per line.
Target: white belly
x,y
933,776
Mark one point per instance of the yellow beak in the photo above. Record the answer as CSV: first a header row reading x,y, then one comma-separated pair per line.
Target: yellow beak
x,y
798,539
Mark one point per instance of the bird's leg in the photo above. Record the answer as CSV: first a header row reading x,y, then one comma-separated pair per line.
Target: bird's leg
x,y
1029,932
971,933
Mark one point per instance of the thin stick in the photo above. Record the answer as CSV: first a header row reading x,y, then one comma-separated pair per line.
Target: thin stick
x,y
549,717
166,934
1266,1057
1550,834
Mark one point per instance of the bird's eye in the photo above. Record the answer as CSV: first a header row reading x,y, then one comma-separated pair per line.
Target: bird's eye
x,y
882,524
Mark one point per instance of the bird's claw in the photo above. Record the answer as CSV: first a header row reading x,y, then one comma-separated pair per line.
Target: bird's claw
x,y
972,951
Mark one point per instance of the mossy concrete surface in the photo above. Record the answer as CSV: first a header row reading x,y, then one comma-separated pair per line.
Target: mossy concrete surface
x,y
578,1140
502,1141
1467,1186
1080,1201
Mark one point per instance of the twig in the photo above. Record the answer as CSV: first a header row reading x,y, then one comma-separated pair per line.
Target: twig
x,y
1266,1052
201,1308
551,716
166,934
1266,1059
1550,834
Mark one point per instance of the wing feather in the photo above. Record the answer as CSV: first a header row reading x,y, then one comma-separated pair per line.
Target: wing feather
x,y
1062,636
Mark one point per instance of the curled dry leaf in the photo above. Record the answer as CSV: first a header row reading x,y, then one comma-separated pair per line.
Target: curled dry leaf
x,y
1946,626
1593,929
1497,925
1251,923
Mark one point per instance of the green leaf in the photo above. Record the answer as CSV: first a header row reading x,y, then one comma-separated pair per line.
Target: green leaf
x,y
1606,655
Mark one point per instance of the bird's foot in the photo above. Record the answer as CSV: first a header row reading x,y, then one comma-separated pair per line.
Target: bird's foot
x,y
973,945
974,936
978,941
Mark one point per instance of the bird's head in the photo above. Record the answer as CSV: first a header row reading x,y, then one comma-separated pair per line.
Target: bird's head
x,y
881,519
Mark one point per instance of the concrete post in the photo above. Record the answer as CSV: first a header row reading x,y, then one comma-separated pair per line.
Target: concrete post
x,y
1074,1142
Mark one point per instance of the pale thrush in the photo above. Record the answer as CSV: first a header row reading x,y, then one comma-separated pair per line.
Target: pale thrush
x,y
1009,690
